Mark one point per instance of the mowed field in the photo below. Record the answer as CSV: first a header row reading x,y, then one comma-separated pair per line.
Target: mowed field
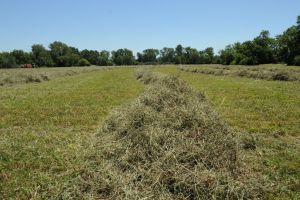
x,y
269,111
47,128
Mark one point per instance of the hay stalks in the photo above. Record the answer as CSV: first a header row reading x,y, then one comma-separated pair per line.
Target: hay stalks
x,y
169,144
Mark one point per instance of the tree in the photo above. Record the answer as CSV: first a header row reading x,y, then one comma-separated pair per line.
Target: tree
x,y
58,52
264,48
40,56
287,45
297,57
179,57
167,55
191,56
7,60
149,56
90,55
21,57
123,57
227,55
104,58
83,62
206,56
260,50
63,55
209,53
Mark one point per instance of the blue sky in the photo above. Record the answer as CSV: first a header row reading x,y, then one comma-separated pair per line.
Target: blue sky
x,y
140,24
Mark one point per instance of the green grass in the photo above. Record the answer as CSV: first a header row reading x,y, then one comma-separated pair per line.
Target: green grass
x,y
47,128
276,72
248,104
269,110
14,76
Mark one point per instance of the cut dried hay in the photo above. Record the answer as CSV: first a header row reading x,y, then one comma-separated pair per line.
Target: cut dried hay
x,y
10,77
255,72
169,144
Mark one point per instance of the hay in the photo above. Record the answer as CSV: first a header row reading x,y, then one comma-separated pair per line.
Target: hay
x,y
169,144
10,77
259,72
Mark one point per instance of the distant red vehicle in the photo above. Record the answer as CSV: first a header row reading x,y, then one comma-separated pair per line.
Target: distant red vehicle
x,y
27,66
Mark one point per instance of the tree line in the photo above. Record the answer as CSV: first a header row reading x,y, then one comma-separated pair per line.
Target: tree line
x,y
263,49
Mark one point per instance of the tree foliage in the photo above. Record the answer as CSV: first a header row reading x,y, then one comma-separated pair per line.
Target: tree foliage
x,y
148,56
263,49
123,57
167,55
41,56
63,55
7,60
84,62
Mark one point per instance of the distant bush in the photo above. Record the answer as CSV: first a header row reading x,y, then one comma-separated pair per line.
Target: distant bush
x,y
84,62
297,60
7,61
246,61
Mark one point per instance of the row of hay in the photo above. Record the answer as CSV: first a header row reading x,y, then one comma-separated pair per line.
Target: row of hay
x,y
256,73
169,144
37,75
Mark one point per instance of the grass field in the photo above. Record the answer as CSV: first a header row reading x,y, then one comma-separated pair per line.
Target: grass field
x,y
47,128
276,72
269,111
37,75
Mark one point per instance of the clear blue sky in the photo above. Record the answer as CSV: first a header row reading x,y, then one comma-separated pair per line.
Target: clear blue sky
x,y
140,24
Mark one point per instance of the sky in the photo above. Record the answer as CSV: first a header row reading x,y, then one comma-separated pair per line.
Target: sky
x,y
141,24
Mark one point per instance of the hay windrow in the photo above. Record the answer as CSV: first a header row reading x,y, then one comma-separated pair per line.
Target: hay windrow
x,y
9,77
259,72
170,144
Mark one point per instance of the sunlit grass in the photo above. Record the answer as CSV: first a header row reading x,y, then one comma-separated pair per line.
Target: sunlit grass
x,y
268,110
47,128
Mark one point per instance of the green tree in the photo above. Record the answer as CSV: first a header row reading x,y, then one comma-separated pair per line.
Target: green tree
x,y
123,57
179,54
297,51
149,56
63,55
40,56
206,56
104,58
264,48
58,52
191,56
209,52
287,45
227,55
21,56
90,55
7,60
83,62
167,55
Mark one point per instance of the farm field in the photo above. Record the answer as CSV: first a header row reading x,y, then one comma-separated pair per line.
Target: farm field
x,y
47,129
267,110
10,77
277,72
